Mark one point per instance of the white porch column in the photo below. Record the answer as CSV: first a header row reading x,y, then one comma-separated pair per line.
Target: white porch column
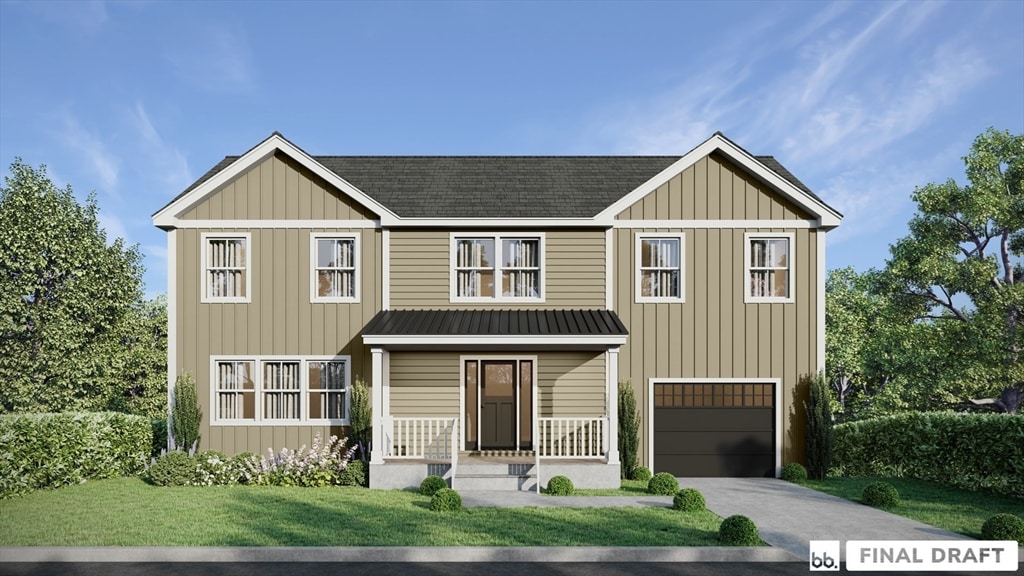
x,y
377,404
612,374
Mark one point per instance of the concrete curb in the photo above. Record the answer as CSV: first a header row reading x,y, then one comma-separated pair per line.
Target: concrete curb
x,y
405,554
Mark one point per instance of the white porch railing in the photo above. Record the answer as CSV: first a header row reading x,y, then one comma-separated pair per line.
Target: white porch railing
x,y
422,438
576,437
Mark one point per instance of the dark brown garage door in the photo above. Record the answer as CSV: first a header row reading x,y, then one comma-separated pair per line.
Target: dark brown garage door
x,y
714,430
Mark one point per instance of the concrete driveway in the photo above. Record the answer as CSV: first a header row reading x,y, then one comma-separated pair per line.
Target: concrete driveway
x,y
789,516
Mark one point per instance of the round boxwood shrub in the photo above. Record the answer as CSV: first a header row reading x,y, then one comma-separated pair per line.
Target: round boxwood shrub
x,y
431,484
794,472
446,500
1004,527
354,474
172,469
663,484
738,530
689,500
880,495
642,474
560,486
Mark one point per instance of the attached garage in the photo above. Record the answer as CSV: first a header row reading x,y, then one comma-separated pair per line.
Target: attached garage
x,y
715,429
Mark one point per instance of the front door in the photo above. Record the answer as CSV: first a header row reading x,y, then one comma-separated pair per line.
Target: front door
x,y
498,404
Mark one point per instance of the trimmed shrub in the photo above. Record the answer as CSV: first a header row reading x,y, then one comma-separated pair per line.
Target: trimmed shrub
x,y
689,500
629,429
431,484
642,473
663,484
880,495
53,450
739,531
174,468
794,472
1004,527
560,486
967,451
819,437
159,426
446,500
186,416
353,475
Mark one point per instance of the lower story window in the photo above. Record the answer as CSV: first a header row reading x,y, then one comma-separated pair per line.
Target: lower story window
x,y
276,390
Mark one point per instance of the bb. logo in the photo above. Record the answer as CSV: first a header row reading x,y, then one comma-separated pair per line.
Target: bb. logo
x,y
825,555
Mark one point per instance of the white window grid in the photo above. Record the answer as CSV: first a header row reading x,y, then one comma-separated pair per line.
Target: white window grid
x,y
762,266
279,390
226,267
342,273
515,268
667,281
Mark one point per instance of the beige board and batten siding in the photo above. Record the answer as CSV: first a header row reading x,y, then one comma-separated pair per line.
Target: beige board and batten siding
x,y
714,333
713,188
279,320
428,384
278,188
573,269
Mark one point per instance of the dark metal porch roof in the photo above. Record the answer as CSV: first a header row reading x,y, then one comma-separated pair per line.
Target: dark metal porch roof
x,y
495,323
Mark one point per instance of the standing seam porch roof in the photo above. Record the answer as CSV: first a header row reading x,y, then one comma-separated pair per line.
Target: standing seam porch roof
x,y
495,323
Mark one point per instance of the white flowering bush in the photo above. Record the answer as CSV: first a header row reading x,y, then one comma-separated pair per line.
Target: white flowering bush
x,y
213,468
321,465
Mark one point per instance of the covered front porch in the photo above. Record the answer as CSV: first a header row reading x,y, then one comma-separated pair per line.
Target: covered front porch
x,y
494,399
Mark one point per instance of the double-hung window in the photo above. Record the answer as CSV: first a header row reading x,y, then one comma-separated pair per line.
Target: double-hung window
x,y
769,267
274,390
227,265
659,268
488,267
335,268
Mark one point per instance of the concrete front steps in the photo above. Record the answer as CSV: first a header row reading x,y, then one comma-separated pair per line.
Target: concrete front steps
x,y
481,474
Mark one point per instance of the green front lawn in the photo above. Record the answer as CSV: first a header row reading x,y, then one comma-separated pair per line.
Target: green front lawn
x,y
129,512
933,504
628,488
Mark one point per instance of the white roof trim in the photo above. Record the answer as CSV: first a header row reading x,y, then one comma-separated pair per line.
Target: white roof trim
x,y
468,339
168,216
826,217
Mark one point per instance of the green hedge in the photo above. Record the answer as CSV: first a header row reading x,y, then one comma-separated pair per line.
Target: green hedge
x,y
52,450
969,451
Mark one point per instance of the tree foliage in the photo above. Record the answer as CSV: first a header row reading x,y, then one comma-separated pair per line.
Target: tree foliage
x,y
186,416
942,322
75,332
629,429
819,427
361,417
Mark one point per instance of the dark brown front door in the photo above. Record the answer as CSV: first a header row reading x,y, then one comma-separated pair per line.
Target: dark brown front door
x,y
498,405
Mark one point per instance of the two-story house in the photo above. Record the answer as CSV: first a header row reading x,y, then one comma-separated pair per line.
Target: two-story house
x,y
494,304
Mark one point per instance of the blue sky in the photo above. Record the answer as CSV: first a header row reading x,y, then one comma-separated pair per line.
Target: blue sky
x,y
863,101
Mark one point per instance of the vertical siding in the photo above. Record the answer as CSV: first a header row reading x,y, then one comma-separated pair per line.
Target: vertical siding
x,y
713,188
278,188
573,268
714,334
280,320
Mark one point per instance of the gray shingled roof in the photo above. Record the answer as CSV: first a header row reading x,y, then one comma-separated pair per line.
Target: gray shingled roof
x,y
495,323
498,186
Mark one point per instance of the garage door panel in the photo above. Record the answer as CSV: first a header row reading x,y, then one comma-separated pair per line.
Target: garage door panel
x,y
681,419
714,442
716,466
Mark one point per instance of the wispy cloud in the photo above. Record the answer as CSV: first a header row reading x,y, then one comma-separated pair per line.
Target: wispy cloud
x,y
113,225
91,150
164,160
218,59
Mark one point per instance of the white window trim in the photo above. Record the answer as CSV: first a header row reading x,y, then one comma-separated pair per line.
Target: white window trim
x,y
204,283
638,239
258,390
497,237
747,297
313,237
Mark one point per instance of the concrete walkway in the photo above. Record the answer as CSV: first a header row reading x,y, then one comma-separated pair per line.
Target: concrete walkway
x,y
788,516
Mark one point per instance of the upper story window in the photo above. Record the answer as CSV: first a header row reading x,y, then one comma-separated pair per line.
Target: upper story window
x,y
492,267
335,268
273,390
769,267
227,265
659,267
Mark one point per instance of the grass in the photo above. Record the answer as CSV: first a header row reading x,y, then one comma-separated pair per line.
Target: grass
x,y
628,488
948,508
129,512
